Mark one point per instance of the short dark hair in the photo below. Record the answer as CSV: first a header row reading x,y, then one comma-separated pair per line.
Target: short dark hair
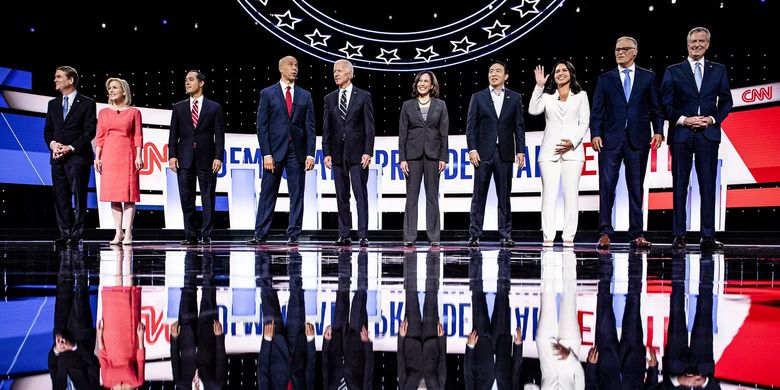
x,y
198,74
434,83
70,72
502,63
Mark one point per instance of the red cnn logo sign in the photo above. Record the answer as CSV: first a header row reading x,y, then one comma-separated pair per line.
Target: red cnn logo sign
x,y
760,94
154,158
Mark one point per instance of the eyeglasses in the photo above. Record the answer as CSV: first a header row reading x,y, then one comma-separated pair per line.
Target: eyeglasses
x,y
623,49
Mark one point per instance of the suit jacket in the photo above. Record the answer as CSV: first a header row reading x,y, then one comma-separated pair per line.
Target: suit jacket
x,y
417,136
614,118
354,136
482,365
483,125
430,364
80,365
77,130
275,128
211,364
681,98
355,363
568,120
209,135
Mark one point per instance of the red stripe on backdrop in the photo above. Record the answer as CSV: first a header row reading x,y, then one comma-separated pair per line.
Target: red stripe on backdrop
x,y
747,197
755,135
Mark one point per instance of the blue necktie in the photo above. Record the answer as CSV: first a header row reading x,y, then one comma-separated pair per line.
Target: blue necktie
x,y
64,107
627,83
698,76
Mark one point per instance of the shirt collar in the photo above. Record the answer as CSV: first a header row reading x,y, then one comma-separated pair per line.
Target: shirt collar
x,y
632,68
285,85
71,95
693,62
199,100
348,89
500,90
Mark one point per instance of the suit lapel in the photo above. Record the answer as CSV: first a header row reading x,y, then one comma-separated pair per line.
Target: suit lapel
x,y
72,107
638,77
353,99
615,76
707,73
685,68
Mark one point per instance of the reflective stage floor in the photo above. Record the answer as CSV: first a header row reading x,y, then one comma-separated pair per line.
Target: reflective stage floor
x,y
236,314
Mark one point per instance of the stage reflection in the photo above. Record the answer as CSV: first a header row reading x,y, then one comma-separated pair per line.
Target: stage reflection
x,y
286,318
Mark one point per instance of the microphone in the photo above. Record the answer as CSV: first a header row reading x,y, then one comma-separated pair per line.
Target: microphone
x,y
117,111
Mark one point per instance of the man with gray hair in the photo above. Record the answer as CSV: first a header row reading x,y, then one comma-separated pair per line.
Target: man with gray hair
x,y
348,145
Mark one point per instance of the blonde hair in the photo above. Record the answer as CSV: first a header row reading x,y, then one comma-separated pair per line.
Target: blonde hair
x,y
125,88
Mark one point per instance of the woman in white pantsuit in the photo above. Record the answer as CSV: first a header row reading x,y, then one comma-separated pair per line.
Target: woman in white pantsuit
x,y
566,112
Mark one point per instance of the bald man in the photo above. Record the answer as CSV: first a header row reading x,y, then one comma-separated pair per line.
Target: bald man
x,y
285,131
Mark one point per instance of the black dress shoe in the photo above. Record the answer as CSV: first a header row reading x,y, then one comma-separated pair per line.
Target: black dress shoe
x,y
292,241
409,243
473,241
364,242
507,242
205,241
256,241
343,241
61,241
710,243
679,242
189,241
74,241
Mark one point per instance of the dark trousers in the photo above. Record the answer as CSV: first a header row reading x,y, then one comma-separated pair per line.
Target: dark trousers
x,y
609,170
344,174
208,185
70,181
706,171
419,169
269,191
501,171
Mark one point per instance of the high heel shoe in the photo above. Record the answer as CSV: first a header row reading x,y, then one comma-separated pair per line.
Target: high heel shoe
x,y
117,241
126,240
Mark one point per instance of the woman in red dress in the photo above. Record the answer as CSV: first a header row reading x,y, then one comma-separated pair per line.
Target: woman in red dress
x,y
118,157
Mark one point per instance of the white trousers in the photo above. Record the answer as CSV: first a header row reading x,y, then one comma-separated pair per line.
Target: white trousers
x,y
553,173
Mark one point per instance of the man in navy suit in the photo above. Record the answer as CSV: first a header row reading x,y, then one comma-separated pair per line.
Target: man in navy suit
x,y
285,131
625,103
697,99
348,144
495,136
196,144
69,130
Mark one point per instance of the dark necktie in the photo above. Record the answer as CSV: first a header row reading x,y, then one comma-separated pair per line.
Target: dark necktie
x,y
288,100
195,113
343,105
64,107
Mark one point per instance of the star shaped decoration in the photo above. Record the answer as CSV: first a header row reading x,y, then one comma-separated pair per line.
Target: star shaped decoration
x,y
463,45
317,38
263,2
493,30
526,3
384,55
429,54
352,50
286,20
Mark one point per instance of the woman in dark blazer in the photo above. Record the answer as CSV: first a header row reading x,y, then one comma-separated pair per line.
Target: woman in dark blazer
x,y
422,129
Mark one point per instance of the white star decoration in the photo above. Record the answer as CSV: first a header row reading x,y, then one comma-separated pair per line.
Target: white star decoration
x,y
384,53
426,58
496,26
317,38
263,2
350,54
532,3
288,21
463,45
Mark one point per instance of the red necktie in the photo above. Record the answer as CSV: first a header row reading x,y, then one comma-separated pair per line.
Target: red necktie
x,y
195,113
288,99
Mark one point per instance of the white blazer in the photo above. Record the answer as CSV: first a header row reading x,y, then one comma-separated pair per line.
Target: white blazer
x,y
564,120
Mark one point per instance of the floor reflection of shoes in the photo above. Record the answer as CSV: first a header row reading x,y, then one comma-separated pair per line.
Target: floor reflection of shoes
x,y
343,241
604,242
256,241
547,243
679,242
364,242
189,241
568,243
409,243
507,242
640,242
473,242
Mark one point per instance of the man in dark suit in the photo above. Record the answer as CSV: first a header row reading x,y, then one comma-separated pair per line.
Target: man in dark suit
x,y
71,360
287,356
688,361
422,345
495,136
285,131
197,340
625,103
196,146
347,351
614,364
348,145
493,358
696,98
70,127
